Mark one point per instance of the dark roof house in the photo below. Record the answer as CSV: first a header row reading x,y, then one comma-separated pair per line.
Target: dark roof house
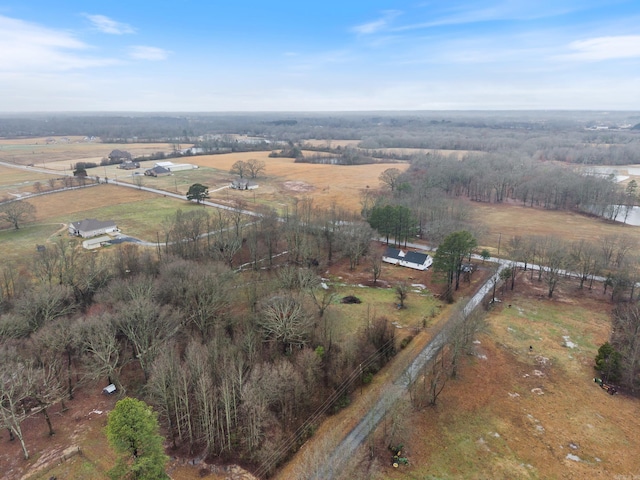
x,y
157,172
415,260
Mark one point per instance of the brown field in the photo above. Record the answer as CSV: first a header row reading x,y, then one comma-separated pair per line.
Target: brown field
x,y
503,222
285,179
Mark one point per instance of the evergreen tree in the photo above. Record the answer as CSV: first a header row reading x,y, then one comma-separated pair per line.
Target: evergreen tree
x,y
132,430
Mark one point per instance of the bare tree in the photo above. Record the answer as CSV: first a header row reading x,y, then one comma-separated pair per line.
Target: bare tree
x,y
43,304
625,337
255,167
284,320
17,212
239,168
375,264
147,326
355,238
390,178
554,260
14,394
100,346
402,292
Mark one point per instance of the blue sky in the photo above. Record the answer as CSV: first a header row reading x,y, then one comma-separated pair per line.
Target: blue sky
x,y
206,56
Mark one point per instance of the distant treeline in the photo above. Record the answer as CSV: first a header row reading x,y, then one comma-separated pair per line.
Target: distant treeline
x,y
575,137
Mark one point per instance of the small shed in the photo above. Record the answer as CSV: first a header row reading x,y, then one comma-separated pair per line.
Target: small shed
x,y
109,389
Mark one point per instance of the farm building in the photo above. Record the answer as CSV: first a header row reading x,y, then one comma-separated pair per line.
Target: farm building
x,y
176,167
157,172
415,260
243,184
90,227
96,242
127,165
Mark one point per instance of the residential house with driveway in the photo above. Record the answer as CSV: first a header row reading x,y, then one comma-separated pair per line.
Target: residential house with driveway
x,y
90,227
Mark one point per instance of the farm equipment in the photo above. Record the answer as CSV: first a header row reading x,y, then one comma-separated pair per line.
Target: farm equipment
x,y
610,389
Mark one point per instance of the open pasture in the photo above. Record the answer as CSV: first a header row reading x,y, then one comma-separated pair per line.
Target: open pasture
x,y
58,154
137,213
503,222
16,182
284,179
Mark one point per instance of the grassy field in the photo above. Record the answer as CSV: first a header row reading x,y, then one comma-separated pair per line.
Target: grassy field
x,y
15,182
59,154
137,213
513,413
284,179
503,222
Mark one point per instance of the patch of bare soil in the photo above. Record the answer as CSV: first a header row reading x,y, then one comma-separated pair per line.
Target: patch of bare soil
x,y
86,412
81,427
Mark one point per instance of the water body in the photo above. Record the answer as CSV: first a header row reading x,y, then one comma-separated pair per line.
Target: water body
x,y
632,219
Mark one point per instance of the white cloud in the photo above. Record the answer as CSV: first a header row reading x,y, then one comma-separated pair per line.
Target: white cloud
x,y
377,25
107,25
604,48
141,52
30,47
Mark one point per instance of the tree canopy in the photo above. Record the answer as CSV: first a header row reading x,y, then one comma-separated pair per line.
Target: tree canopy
x,y
450,254
132,430
198,192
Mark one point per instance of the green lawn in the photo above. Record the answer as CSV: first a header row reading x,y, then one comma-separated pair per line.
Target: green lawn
x,y
380,302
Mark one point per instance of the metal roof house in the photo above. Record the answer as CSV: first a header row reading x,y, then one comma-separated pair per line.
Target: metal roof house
x,y
90,227
415,260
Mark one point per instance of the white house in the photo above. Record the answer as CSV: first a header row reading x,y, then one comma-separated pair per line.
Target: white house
x,y
90,227
415,260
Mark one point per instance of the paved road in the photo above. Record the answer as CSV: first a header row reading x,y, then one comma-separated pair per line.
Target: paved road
x,y
112,181
343,453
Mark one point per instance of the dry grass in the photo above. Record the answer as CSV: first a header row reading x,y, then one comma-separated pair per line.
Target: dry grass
x,y
284,179
14,182
516,414
503,222
59,155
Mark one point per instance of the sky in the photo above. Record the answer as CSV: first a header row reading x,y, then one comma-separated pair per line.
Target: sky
x,y
348,55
